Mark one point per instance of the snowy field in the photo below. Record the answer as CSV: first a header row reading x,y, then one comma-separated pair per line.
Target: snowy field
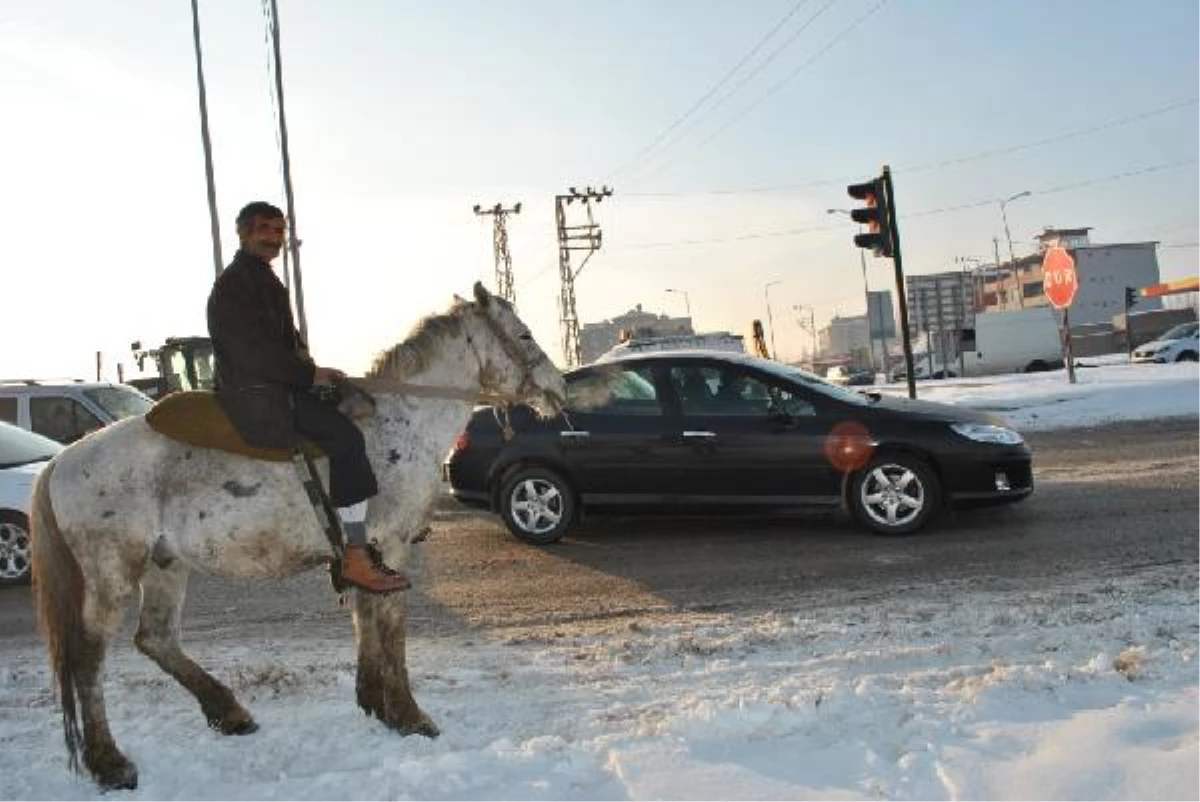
x,y
1079,691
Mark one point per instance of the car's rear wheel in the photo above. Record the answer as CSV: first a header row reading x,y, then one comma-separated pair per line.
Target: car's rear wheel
x,y
895,494
537,505
15,552
1186,356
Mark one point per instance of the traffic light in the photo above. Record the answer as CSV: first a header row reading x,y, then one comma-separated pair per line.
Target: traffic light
x,y
1131,296
876,216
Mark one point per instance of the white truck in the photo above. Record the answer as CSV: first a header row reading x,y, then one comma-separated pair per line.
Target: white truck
x,y
1020,341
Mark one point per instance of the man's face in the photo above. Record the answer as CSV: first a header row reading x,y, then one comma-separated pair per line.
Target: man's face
x,y
265,237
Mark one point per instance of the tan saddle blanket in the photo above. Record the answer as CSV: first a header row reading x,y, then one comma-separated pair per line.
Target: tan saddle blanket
x,y
194,417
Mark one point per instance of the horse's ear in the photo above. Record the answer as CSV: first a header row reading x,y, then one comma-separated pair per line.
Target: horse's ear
x,y
481,294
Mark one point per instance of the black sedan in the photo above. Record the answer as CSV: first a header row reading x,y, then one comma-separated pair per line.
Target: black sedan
x,y
701,430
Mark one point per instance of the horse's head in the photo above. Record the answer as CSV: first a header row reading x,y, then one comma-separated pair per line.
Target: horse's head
x,y
513,368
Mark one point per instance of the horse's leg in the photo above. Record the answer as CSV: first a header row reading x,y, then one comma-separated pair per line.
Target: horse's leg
x,y
78,611
103,608
157,637
382,683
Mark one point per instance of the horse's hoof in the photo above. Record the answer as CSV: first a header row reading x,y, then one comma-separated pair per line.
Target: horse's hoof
x,y
423,726
244,727
118,778
239,723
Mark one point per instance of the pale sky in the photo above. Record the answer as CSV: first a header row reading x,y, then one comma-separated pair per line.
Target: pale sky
x,y
724,148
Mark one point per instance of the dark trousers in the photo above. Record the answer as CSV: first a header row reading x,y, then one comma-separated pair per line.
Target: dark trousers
x,y
351,479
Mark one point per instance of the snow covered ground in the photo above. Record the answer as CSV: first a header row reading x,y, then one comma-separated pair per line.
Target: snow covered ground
x,y
1080,691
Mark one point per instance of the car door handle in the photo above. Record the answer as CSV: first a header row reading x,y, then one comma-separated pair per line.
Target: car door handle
x,y
572,434
699,435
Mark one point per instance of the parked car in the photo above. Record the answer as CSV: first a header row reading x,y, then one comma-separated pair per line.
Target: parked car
x,y
23,455
694,430
67,410
1177,344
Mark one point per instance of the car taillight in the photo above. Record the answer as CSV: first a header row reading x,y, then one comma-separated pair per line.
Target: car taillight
x,y
461,442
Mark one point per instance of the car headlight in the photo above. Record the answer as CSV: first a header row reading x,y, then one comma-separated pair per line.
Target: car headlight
x,y
986,433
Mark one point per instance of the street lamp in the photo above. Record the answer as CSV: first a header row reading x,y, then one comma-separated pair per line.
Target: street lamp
x,y
1012,259
770,319
862,260
686,301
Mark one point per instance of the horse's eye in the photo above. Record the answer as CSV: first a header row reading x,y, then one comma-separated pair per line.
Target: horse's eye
x,y
525,335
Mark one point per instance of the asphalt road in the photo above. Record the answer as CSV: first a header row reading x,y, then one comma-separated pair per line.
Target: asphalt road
x,y
1109,501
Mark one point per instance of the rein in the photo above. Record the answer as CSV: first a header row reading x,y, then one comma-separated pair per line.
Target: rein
x,y
381,385
502,401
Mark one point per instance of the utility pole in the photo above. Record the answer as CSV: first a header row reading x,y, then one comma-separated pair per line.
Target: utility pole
x,y
812,327
585,237
213,220
504,274
293,239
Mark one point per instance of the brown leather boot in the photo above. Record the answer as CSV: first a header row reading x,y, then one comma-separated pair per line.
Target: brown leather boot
x,y
362,571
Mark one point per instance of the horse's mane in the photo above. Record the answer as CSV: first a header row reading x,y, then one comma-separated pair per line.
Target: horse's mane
x,y
413,354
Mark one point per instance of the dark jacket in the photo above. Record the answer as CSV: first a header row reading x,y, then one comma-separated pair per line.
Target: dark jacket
x,y
259,358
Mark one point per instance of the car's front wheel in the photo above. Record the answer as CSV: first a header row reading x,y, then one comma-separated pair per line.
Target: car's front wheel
x,y
537,505
14,548
895,494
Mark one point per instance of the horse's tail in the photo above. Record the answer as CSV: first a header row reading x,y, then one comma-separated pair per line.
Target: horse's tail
x,y
58,599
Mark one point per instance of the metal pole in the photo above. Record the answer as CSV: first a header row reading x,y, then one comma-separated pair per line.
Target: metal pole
x,y
1067,335
213,219
770,317
1012,268
899,268
1128,327
812,327
293,239
1012,259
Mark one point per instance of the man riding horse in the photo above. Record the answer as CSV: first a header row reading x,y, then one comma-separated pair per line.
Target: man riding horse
x,y
264,379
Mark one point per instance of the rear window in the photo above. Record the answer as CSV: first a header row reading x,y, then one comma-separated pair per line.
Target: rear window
x,y
119,402
19,447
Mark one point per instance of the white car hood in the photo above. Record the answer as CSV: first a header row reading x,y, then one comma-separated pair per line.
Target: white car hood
x,y
1155,345
16,485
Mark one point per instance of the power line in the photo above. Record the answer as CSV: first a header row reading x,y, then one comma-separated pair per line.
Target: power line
x,y
716,87
780,84
792,232
812,60
762,65
978,156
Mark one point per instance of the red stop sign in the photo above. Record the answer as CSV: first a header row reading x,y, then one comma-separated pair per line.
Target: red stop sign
x,y
1059,280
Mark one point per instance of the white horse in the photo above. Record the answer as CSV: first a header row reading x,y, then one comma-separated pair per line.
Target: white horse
x,y
128,507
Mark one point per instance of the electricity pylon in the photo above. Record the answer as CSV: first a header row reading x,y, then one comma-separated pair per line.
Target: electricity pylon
x,y
504,275
585,237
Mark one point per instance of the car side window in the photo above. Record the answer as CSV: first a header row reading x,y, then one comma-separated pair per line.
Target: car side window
x,y
696,386
627,392
8,410
62,419
786,402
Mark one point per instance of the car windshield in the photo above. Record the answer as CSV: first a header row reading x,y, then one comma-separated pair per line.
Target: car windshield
x,y
812,381
119,401
20,447
1180,331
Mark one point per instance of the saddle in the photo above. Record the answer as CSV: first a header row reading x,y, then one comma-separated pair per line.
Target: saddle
x,y
194,417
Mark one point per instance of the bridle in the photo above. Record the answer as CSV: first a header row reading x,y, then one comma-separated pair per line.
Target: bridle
x,y
488,392
501,401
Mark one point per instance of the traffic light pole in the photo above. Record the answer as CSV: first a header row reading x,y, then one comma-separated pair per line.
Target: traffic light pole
x,y
898,264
